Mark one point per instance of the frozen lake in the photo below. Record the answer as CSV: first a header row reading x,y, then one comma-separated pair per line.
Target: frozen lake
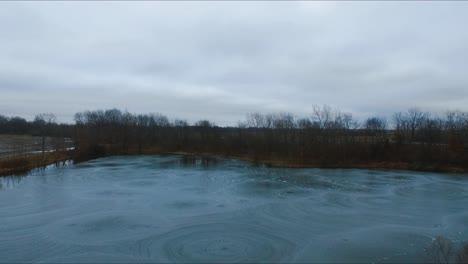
x,y
188,209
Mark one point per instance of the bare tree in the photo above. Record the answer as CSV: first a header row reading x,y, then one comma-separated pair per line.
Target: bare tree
x,y
304,123
400,127
376,128
415,118
322,115
255,120
462,256
283,121
440,250
3,120
349,122
375,124
44,121
180,123
204,123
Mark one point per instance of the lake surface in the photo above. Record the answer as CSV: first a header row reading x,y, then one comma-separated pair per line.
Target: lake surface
x,y
193,209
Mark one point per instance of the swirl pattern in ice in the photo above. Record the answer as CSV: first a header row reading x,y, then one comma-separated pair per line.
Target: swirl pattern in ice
x,y
202,210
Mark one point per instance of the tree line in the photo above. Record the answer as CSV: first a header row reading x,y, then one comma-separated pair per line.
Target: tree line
x,y
328,137
44,123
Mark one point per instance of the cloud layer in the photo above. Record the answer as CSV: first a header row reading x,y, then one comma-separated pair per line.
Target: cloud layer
x,y
221,60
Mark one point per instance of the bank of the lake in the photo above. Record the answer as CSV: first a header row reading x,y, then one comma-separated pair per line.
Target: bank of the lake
x,y
25,163
22,164
279,163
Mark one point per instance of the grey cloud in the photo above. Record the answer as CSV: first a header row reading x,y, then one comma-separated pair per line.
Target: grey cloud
x,y
221,60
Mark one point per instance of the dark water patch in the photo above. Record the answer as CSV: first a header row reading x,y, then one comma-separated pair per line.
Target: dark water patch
x,y
181,205
191,161
96,257
114,193
217,243
373,245
101,229
141,183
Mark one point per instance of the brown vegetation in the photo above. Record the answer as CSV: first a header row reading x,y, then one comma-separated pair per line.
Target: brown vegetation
x,y
328,138
25,163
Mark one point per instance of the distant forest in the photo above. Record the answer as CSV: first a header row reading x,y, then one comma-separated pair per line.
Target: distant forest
x,y
327,138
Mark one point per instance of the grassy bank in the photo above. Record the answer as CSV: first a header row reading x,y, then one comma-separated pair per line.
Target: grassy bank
x,y
111,150
278,163
25,163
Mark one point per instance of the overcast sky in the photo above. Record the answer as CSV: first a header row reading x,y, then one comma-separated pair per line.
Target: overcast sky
x,y
221,60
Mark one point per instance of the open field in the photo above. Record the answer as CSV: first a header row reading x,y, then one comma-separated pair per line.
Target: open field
x,y
14,145
22,153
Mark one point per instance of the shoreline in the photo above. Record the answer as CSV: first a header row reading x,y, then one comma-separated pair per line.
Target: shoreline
x,y
19,165
12,166
371,165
